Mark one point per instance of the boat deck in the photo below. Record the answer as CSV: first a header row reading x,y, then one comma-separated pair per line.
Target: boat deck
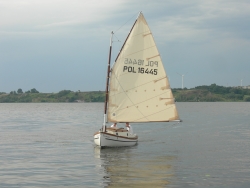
x,y
113,130
116,129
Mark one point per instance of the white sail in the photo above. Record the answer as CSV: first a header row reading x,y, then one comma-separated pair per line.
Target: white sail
x,y
139,88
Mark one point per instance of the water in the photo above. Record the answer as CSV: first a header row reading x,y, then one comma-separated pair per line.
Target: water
x,y
51,145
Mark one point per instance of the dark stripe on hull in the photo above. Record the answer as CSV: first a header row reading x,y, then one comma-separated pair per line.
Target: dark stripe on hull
x,y
119,140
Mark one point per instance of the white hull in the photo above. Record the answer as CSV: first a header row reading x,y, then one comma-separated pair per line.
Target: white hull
x,y
107,139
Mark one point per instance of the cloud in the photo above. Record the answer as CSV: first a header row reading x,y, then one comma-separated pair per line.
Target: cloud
x,y
205,38
171,20
51,16
205,20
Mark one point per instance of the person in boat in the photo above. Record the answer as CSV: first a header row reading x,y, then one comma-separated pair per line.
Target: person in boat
x,y
114,125
129,128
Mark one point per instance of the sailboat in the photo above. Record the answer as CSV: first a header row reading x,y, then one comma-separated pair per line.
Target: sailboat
x,y
137,88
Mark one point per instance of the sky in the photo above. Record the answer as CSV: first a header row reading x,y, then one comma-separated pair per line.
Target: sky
x,y
52,45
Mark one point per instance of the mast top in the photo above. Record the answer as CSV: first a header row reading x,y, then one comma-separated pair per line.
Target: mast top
x,y
111,38
139,14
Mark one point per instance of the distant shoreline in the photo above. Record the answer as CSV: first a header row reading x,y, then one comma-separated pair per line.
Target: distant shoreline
x,y
212,93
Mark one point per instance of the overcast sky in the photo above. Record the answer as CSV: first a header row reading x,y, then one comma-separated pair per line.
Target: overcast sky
x,y
53,45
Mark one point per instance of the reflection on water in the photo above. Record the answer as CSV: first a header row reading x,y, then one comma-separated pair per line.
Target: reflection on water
x,y
125,169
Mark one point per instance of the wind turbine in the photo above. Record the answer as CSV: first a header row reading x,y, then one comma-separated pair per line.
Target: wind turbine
x,y
182,78
241,82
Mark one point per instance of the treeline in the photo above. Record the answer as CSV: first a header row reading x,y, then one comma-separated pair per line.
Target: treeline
x,y
63,96
20,91
212,93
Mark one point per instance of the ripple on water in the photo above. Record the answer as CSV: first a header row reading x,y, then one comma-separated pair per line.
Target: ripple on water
x,y
51,145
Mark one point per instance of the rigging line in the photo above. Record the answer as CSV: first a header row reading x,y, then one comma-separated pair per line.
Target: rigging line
x,y
126,39
116,38
142,33
129,98
127,55
126,22
160,111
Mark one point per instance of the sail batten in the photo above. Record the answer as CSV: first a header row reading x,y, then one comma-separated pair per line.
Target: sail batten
x,y
139,87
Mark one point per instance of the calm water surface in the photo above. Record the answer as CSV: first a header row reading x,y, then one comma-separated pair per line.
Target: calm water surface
x,y
51,145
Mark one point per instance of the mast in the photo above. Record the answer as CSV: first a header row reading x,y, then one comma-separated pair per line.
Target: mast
x,y
107,83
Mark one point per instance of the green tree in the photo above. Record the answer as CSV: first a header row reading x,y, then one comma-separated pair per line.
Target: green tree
x,y
34,91
13,93
247,99
19,91
63,93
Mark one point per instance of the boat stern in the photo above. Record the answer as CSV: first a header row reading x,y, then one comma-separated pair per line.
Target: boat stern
x,y
97,139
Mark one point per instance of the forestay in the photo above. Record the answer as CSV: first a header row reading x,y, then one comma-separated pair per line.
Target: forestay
x,y
139,88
